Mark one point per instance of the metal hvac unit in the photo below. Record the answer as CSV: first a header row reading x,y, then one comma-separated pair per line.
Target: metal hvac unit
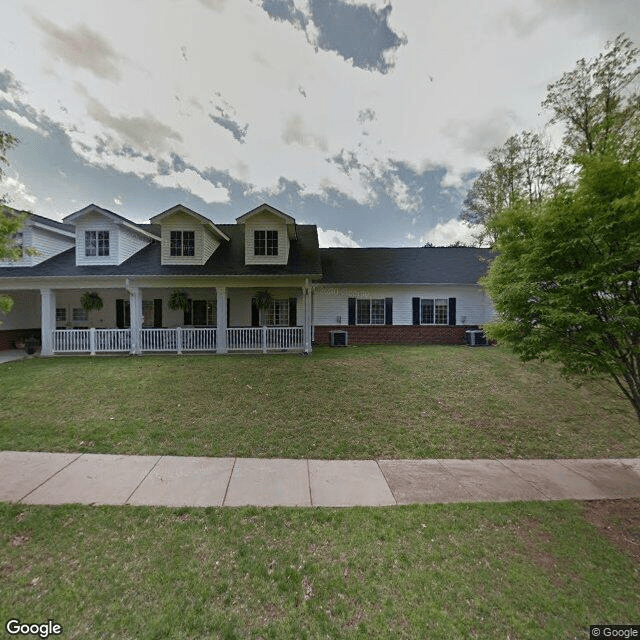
x,y
339,338
476,338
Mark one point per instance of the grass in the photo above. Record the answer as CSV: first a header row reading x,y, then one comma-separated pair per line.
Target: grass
x,y
520,570
360,402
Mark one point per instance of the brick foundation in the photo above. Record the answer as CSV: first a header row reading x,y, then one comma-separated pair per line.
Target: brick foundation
x,y
395,334
9,337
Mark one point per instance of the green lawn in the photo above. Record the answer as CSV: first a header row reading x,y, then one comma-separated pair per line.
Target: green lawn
x,y
360,402
518,571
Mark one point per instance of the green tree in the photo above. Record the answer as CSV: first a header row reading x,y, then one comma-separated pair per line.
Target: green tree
x,y
598,103
566,279
524,167
10,221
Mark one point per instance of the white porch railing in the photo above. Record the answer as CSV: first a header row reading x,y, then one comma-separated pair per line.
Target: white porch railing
x,y
265,339
178,340
112,340
71,340
199,339
158,340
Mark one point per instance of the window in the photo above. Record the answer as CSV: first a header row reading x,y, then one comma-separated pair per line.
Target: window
x,y
147,313
434,311
370,311
277,315
183,243
96,243
78,314
61,314
265,243
204,313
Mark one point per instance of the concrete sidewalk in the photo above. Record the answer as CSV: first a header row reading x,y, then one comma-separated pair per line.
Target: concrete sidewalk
x,y
58,478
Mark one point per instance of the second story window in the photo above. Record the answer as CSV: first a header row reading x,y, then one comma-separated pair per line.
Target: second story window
x,y
96,243
265,243
183,243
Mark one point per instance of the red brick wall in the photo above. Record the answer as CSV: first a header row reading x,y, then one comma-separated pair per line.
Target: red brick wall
x,y
395,334
8,337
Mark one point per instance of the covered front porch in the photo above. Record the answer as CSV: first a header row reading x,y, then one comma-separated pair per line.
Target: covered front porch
x,y
178,340
141,317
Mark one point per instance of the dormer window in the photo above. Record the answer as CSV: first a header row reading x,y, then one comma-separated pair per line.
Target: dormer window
x,y
265,243
96,243
183,243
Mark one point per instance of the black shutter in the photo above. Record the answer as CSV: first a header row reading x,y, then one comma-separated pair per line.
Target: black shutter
x,y
188,313
228,312
157,312
416,310
293,310
120,313
388,310
452,311
255,313
352,310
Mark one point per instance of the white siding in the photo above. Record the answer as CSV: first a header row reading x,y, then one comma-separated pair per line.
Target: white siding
x,y
181,221
46,243
129,243
209,244
266,222
472,304
96,222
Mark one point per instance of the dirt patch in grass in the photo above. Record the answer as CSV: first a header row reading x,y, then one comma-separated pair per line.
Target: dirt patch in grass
x,y
619,521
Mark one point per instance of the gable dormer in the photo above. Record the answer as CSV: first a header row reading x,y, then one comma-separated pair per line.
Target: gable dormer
x,y
187,236
267,235
104,237
39,239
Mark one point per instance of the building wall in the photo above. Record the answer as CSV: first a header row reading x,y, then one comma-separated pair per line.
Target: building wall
x,y
129,243
266,222
330,303
46,243
396,334
205,242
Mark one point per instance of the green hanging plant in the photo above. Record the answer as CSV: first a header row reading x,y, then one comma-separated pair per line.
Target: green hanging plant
x,y
178,300
90,301
264,299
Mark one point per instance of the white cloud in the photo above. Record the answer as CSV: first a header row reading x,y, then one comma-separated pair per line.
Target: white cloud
x,y
446,233
25,122
194,183
469,75
333,238
18,193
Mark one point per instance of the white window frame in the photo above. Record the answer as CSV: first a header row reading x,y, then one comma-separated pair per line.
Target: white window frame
x,y
178,245
440,311
379,319
265,242
78,314
97,243
277,315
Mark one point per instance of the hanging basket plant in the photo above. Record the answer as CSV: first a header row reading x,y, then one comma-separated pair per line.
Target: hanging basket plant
x,y
91,301
178,300
264,299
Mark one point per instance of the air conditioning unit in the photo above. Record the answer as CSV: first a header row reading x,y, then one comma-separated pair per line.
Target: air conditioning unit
x,y
339,338
476,338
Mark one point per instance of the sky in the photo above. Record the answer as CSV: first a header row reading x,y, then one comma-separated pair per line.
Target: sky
x,y
368,118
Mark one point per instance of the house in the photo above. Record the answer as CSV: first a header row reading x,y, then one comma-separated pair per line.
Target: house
x,y
184,284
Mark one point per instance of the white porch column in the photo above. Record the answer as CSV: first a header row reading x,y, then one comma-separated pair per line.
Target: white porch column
x,y
48,320
221,320
306,332
135,307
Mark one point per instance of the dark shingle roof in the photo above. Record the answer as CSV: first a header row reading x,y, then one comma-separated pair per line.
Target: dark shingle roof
x,y
227,260
424,265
